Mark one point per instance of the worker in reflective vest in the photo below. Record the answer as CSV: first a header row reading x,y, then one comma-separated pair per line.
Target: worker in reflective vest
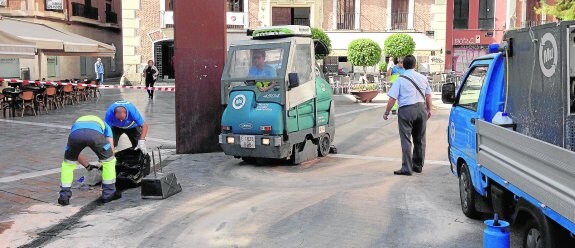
x,y
89,131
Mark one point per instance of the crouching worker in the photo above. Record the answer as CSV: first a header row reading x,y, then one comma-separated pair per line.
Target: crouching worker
x,y
89,131
124,118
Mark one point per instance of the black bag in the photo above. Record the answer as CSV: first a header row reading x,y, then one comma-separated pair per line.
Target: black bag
x,y
131,166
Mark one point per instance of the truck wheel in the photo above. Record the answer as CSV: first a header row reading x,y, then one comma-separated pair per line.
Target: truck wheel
x,y
467,193
532,237
324,145
538,231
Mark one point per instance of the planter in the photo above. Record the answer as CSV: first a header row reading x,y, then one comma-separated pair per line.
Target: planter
x,y
364,96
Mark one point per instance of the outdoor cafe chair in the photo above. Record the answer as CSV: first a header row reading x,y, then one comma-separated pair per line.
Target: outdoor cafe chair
x,y
51,98
27,98
68,94
93,91
9,101
346,84
80,93
4,104
41,102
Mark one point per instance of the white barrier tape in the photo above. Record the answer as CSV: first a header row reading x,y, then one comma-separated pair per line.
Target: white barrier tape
x,y
25,82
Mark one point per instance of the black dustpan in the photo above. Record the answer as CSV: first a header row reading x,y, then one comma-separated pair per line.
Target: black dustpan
x,y
159,185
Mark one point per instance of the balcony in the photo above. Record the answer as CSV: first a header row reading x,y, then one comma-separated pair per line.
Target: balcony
x,y
346,21
393,22
82,10
399,21
301,21
111,17
532,23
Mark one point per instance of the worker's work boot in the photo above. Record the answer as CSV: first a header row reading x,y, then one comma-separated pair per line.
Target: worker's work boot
x,y
65,195
109,193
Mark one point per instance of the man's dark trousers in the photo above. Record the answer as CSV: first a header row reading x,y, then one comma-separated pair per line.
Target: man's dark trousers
x,y
133,134
412,123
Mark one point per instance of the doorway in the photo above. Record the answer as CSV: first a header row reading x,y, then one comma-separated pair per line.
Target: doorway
x,y
163,56
290,16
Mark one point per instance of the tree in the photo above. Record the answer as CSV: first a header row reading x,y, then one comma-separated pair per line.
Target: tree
x,y
318,34
563,10
363,52
399,45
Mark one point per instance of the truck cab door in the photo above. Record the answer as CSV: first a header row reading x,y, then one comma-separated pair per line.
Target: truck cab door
x,y
467,108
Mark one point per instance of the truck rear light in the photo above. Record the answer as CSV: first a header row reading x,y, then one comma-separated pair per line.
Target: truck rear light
x,y
266,141
231,140
226,129
266,129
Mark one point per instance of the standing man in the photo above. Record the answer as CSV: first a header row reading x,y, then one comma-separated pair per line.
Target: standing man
x,y
414,111
99,68
89,131
124,118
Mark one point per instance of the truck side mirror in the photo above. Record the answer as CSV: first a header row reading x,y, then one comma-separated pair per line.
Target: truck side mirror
x,y
448,93
293,80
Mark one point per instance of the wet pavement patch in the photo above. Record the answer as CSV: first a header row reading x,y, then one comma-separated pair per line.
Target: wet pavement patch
x,y
66,224
5,226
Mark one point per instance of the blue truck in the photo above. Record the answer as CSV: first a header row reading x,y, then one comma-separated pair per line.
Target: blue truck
x,y
524,171
277,102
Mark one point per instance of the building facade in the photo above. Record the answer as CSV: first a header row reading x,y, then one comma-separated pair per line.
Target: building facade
x,y
148,25
99,20
478,23
347,20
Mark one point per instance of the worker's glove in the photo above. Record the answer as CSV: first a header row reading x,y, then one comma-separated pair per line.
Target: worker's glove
x,y
142,146
94,165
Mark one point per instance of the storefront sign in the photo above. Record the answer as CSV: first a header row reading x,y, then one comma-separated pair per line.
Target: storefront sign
x,y
55,4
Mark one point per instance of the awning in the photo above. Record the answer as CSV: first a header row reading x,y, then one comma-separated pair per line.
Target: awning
x,y
340,41
14,47
55,42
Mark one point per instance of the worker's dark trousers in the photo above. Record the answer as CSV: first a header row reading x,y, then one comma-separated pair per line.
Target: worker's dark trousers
x,y
133,134
412,123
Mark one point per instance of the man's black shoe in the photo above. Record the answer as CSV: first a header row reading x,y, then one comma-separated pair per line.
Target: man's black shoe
x,y
117,195
63,202
399,172
417,169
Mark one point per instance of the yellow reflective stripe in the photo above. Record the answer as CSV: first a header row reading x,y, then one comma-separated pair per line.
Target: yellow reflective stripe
x,y
109,171
67,173
94,119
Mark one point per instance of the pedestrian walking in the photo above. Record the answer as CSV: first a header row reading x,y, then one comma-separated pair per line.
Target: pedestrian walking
x,y
124,118
99,68
414,111
89,131
150,73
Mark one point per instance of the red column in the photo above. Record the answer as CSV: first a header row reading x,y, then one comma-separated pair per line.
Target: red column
x,y
200,50
449,36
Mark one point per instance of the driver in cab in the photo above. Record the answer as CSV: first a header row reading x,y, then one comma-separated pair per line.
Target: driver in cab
x,y
259,67
262,70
